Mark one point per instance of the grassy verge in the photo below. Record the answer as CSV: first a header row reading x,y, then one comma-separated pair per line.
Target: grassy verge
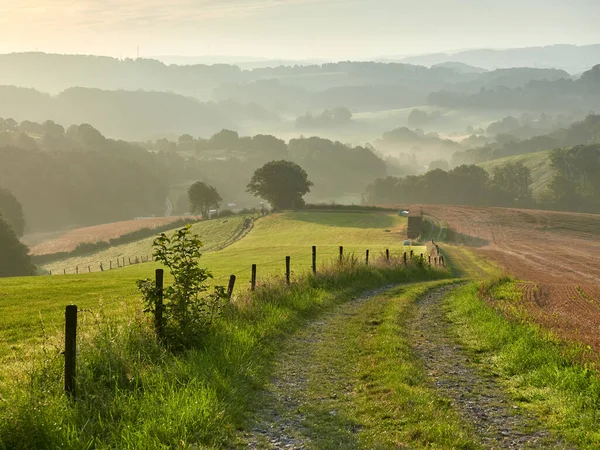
x,y
133,394
378,394
541,373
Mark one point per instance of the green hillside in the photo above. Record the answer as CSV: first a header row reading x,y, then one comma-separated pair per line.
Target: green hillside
x,y
215,234
538,163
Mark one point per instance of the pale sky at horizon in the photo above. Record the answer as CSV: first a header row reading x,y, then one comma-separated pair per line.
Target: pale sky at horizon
x,y
291,29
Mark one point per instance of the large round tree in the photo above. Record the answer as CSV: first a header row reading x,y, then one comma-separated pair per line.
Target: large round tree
x,y
281,183
203,197
14,258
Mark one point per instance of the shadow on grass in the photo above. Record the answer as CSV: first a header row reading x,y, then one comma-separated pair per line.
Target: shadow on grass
x,y
346,219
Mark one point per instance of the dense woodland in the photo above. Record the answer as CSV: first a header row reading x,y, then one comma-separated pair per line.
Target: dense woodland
x,y
79,177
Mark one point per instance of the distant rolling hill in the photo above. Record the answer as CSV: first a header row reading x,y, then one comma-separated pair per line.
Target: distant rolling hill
x,y
538,163
572,58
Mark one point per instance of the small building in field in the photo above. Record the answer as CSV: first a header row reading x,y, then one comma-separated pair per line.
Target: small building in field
x,y
415,226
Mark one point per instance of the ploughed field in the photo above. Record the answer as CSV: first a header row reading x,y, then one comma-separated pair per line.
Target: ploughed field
x,y
32,308
555,254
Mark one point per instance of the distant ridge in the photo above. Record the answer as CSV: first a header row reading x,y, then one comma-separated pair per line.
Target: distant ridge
x,y
572,58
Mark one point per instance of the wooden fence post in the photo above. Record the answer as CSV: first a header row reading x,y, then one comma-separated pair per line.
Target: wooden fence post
x,y
64,271
367,258
90,269
101,268
404,258
411,254
70,349
77,269
230,286
387,254
314,259
253,281
429,259
287,269
123,265
129,260
341,254
50,271
158,312
110,264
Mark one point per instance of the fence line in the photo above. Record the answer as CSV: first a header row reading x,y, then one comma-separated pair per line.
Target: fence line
x,y
71,311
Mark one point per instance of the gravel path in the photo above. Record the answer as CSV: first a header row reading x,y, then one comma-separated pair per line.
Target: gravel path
x,y
280,424
477,397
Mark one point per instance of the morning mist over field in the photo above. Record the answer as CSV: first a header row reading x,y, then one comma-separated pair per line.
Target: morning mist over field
x,y
299,224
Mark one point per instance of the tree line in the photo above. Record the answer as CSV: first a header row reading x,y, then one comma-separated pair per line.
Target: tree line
x,y
583,132
510,185
575,185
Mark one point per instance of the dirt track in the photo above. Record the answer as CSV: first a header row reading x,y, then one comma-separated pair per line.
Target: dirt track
x,y
557,255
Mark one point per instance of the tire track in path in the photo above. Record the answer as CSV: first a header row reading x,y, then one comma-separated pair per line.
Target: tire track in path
x,y
478,398
279,422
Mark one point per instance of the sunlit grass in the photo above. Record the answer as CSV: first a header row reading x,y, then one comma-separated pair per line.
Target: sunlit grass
x,y
23,301
135,395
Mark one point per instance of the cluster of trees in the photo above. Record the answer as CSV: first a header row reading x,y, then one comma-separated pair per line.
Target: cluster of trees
x,y
131,114
281,183
576,184
14,256
337,169
78,177
330,118
418,117
536,95
579,133
510,185
11,211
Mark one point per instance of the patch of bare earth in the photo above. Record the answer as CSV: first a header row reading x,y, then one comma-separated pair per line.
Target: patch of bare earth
x,y
558,253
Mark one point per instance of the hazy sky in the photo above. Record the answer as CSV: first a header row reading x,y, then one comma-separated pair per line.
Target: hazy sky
x,y
334,29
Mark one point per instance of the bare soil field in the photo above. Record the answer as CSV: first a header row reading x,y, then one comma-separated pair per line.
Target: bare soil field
x,y
556,254
68,241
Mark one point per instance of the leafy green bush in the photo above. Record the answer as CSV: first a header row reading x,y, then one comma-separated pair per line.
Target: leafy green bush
x,y
189,306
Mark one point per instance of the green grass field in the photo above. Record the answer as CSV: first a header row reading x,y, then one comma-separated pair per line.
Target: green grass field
x,y
538,163
26,302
